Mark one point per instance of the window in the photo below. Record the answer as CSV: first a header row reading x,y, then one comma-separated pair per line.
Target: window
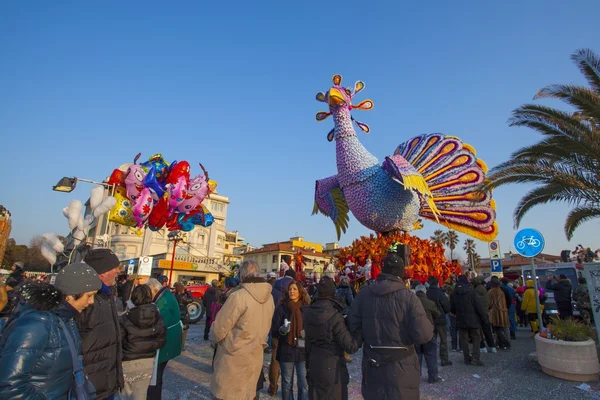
x,y
275,257
216,206
220,241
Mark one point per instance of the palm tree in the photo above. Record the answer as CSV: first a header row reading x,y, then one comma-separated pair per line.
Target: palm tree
x,y
469,248
438,237
451,240
564,165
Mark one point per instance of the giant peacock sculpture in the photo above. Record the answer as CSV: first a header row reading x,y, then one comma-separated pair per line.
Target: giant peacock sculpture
x,y
433,176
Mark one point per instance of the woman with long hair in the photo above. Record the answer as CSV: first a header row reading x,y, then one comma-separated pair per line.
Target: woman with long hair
x,y
287,326
36,346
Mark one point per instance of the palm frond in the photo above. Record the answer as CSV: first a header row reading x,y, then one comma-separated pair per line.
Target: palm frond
x,y
553,192
577,96
578,216
589,65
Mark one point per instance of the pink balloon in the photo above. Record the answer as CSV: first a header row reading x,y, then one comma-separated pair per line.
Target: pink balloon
x,y
134,182
143,207
177,193
196,192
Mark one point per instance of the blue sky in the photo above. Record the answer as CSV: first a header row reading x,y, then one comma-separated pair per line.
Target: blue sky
x,y
87,85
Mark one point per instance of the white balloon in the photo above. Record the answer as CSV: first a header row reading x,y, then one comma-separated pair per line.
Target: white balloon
x,y
78,236
106,206
48,253
74,213
54,242
96,196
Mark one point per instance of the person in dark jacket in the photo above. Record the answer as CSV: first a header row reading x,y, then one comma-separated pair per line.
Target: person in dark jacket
x,y
486,332
143,332
327,340
17,272
429,349
467,306
279,288
211,296
286,326
386,313
345,293
562,295
512,306
35,356
99,328
438,296
184,297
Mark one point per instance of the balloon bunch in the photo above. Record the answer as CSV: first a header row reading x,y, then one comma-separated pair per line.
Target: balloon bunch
x,y
158,194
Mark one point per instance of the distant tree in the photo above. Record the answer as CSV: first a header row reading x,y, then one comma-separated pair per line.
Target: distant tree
x,y
451,240
14,252
438,237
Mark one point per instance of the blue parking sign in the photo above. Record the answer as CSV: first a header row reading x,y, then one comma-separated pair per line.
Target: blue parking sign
x,y
496,266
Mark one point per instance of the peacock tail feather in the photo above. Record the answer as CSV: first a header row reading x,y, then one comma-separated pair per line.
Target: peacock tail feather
x,y
454,174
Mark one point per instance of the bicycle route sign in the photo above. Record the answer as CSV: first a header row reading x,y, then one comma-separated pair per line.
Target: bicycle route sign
x,y
529,242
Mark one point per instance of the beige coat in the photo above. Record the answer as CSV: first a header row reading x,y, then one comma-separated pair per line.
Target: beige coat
x,y
240,330
498,311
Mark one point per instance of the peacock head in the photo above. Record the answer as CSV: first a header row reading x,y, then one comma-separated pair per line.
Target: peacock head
x,y
340,98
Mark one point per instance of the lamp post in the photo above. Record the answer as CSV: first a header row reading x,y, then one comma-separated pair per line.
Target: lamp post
x,y
175,237
67,185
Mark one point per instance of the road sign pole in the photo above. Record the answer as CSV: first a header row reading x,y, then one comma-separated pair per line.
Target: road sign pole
x,y
538,309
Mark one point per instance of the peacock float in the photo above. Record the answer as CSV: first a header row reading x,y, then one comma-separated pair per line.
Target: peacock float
x,y
433,176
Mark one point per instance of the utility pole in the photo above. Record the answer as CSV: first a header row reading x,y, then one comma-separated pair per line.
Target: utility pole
x,y
175,237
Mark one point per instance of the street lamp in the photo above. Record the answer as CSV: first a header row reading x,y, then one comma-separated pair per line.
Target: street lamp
x,y
67,185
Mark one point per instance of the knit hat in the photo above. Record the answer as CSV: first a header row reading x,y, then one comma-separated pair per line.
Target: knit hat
x,y
463,280
420,288
393,265
271,275
162,279
77,278
326,287
101,260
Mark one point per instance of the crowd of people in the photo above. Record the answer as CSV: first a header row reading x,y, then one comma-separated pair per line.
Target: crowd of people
x,y
94,334
73,338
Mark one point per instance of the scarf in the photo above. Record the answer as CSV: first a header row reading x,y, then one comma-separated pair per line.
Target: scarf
x,y
296,323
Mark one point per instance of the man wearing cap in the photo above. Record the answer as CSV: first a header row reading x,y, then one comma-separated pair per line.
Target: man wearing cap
x,y
17,272
99,329
391,321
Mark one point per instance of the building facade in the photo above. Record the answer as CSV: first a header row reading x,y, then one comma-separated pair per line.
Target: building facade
x,y
512,263
269,256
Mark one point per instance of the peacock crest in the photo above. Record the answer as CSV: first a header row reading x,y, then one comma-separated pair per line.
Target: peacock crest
x,y
339,97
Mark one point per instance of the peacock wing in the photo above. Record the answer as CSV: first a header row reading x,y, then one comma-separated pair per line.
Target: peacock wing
x,y
330,201
407,175
453,174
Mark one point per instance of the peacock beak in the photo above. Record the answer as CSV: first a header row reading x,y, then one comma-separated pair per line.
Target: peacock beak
x,y
335,97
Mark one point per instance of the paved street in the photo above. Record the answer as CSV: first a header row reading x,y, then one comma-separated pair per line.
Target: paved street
x,y
506,375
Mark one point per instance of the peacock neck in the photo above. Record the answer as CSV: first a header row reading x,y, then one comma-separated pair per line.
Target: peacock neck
x,y
351,156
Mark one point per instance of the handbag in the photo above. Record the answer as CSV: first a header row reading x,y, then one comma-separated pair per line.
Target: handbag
x,y
82,388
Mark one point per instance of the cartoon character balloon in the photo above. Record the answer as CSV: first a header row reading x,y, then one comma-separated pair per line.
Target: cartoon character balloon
x,y
160,166
197,191
134,181
143,207
122,213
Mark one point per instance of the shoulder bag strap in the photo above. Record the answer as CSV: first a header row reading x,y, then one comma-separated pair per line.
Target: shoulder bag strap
x,y
74,353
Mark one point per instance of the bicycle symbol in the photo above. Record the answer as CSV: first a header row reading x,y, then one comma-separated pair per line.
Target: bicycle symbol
x,y
528,241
